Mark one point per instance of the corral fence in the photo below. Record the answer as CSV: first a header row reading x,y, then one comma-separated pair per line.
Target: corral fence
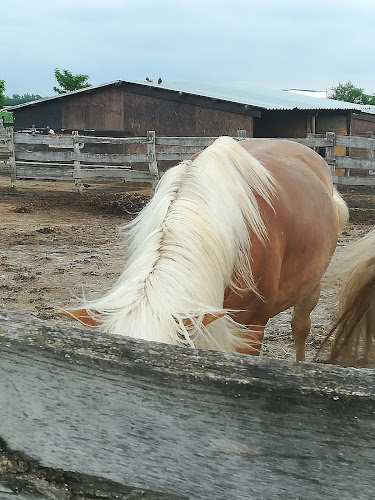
x,y
32,155
116,417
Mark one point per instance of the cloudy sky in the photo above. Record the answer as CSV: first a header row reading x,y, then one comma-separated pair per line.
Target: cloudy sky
x,y
277,44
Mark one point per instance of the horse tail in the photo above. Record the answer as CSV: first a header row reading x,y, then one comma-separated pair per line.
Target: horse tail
x,y
342,209
353,332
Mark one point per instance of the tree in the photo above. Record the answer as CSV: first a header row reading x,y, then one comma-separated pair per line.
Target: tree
x,y
2,96
69,82
21,99
349,93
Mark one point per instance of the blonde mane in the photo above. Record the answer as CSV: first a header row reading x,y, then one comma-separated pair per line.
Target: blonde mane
x,y
185,247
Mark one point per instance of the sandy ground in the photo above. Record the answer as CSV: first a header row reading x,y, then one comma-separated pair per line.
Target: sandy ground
x,y
56,245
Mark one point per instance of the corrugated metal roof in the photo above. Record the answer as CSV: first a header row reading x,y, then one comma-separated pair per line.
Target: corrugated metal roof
x,y
263,99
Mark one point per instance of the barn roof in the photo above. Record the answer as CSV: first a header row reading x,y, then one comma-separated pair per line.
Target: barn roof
x,y
262,99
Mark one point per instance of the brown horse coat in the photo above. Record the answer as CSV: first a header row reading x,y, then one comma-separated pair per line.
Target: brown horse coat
x,y
301,219
289,268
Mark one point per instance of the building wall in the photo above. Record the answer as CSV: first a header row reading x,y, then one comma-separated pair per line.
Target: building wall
x,y
176,117
100,110
282,124
362,124
119,110
328,122
40,115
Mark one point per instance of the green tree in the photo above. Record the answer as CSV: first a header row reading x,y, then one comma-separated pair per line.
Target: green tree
x,y
2,95
69,82
21,99
349,93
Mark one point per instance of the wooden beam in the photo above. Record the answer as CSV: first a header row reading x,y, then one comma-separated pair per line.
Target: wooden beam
x,y
359,163
114,173
351,141
69,156
184,422
355,180
199,142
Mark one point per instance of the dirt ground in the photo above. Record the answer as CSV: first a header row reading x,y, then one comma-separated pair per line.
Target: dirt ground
x,y
56,245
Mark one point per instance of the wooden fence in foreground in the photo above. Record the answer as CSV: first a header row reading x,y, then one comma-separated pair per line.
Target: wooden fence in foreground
x,y
142,159
133,419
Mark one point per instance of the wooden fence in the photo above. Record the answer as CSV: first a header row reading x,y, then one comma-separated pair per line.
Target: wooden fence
x,y
142,159
126,418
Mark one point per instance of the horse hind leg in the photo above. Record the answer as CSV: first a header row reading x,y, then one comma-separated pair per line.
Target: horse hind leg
x,y
301,321
254,339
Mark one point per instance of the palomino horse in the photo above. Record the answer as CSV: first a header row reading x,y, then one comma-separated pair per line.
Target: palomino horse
x,y
231,238
354,330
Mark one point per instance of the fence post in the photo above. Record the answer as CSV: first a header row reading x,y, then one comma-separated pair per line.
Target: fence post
x,y
77,164
241,134
12,156
330,151
370,152
151,153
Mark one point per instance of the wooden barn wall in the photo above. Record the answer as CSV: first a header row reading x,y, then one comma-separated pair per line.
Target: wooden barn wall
x,y
282,124
40,115
179,118
123,112
362,124
96,110
332,122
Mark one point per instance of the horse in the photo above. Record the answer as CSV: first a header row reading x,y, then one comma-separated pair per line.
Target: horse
x,y
353,331
233,236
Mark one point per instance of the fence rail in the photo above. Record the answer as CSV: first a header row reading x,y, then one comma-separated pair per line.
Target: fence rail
x,y
78,157
158,399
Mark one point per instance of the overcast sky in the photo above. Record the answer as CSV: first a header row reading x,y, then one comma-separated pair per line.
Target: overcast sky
x,y
277,44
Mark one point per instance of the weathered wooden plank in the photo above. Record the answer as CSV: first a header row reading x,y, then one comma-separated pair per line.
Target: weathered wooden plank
x,y
356,181
22,479
199,424
198,142
54,172
23,138
312,142
351,141
201,142
175,156
111,158
113,173
59,172
69,156
12,156
359,163
68,140
110,140
45,156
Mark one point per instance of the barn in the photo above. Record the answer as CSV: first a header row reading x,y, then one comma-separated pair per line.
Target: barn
x,y
129,108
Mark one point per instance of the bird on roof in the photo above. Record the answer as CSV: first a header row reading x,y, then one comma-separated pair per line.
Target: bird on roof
x,y
148,79
159,80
